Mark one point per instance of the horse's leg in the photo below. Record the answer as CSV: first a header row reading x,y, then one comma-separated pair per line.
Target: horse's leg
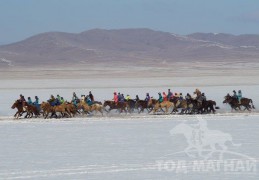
x,y
46,115
27,114
101,111
31,114
16,114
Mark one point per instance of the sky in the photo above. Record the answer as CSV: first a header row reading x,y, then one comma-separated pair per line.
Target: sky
x,y
20,19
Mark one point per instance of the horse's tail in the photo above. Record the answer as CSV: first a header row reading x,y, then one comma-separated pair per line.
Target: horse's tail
x,y
251,101
215,104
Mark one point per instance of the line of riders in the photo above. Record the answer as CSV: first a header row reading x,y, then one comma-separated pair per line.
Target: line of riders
x,y
195,104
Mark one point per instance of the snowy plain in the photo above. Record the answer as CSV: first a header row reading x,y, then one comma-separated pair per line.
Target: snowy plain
x,y
119,146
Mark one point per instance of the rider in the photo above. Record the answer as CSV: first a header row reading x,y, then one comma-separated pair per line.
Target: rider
x,y
22,99
239,96
137,98
200,99
58,98
181,97
91,96
115,97
127,97
119,97
89,101
147,97
169,95
204,97
160,98
74,99
164,96
52,100
234,94
62,101
29,101
36,102
188,96
122,98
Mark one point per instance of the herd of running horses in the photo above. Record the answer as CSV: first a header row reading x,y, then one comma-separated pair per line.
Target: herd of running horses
x,y
172,106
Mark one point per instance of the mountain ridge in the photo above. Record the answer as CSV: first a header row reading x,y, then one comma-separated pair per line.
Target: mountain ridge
x,y
127,46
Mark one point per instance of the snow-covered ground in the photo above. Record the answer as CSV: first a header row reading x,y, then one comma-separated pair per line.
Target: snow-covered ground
x,y
137,147
127,146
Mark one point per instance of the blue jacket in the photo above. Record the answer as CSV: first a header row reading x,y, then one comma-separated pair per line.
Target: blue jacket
x,y
29,101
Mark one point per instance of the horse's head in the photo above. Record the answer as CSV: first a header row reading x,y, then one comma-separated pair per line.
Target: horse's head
x,y
228,99
108,103
16,104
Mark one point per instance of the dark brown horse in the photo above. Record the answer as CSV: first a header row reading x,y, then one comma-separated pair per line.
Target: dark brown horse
x,y
209,106
19,106
141,105
234,103
122,106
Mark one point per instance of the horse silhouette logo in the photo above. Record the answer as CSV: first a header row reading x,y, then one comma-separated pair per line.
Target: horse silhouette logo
x,y
201,139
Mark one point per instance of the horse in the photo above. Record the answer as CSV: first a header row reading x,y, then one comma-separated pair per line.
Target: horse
x,y
112,105
164,104
71,109
152,102
131,105
209,106
62,109
234,103
141,105
19,105
30,109
186,107
47,108
87,109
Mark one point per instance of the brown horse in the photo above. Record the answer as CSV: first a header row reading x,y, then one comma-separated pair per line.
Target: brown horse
x,y
122,106
183,104
19,106
62,109
46,108
30,109
234,103
152,102
71,109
